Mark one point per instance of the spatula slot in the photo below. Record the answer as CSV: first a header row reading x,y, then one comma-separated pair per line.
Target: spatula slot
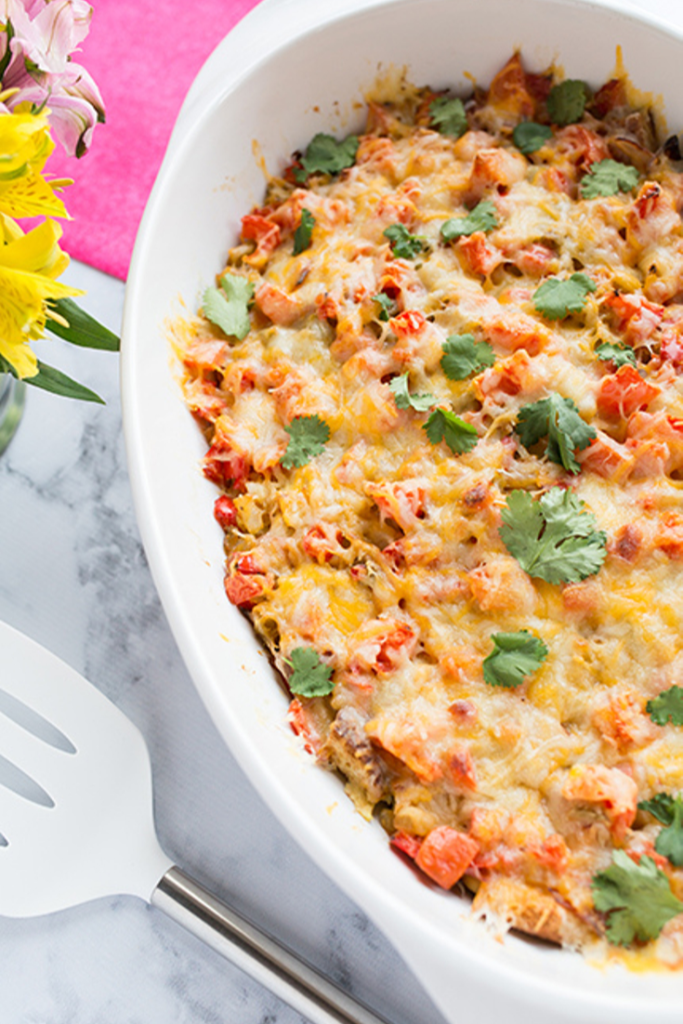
x,y
34,723
22,784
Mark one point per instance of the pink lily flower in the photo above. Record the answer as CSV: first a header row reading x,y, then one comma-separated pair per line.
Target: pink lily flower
x,y
35,59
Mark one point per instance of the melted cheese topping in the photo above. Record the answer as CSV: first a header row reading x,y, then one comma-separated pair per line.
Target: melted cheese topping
x,y
383,553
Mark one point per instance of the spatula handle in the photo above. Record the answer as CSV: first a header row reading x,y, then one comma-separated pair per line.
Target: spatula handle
x,y
191,905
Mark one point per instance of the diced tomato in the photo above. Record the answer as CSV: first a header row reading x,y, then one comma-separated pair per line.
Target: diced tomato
x,y
461,768
671,346
552,853
481,257
410,845
635,315
400,639
243,591
669,537
607,457
301,724
322,542
277,305
446,854
226,467
327,307
225,512
495,168
410,321
245,581
652,216
581,146
534,259
627,544
620,394
266,234
611,787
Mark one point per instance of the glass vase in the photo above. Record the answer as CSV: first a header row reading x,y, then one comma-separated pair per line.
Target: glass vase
x,y
12,398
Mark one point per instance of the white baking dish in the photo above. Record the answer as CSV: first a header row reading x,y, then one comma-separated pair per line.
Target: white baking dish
x,y
290,69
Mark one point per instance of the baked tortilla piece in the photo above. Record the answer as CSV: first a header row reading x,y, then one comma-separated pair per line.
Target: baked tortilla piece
x,y
440,381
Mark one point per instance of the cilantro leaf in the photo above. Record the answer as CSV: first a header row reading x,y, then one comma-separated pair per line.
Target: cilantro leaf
x,y
403,398
482,218
448,116
308,435
462,356
387,306
553,539
324,155
667,707
557,419
567,101
607,177
310,676
228,306
302,235
660,806
403,244
514,657
637,899
557,298
529,136
444,425
668,810
620,355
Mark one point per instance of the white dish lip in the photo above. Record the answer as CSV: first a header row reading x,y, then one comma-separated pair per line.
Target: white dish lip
x,y
268,29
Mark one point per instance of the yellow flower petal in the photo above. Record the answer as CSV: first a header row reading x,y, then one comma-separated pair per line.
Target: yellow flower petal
x,y
28,267
30,196
25,143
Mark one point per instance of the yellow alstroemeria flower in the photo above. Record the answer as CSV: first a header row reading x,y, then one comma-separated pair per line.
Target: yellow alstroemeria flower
x,y
29,264
25,145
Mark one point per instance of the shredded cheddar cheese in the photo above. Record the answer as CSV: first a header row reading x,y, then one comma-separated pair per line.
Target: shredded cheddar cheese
x,y
383,547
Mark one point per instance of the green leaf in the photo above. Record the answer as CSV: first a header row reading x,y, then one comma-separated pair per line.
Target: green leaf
x,y
387,306
667,707
554,538
482,218
9,53
463,356
50,379
668,810
82,328
620,355
310,676
637,899
660,806
308,435
557,419
557,298
448,116
324,155
607,177
302,235
444,425
228,306
514,657
403,398
403,244
567,101
529,136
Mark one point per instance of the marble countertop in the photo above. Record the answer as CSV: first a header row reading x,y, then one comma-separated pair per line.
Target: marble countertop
x,y
74,577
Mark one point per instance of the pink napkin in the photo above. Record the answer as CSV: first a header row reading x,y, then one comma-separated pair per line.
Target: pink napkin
x,y
144,57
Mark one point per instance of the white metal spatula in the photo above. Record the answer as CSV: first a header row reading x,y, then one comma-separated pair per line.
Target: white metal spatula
x,y
76,823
